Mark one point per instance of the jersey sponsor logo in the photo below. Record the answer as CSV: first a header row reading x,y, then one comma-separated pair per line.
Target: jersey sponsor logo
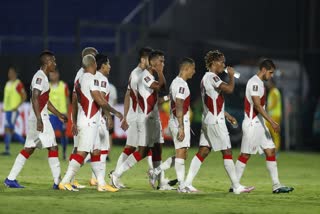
x,y
103,84
181,90
96,82
147,79
216,79
255,87
38,81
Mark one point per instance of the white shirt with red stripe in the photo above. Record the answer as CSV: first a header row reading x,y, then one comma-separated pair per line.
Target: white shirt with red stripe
x,y
40,82
90,110
179,89
134,79
212,99
255,87
147,98
104,84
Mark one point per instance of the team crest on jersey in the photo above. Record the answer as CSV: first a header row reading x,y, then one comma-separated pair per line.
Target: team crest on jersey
x,y
181,90
103,84
38,81
96,82
147,79
216,79
255,88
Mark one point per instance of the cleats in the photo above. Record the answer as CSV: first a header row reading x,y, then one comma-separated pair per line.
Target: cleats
x,y
165,187
114,181
12,183
107,188
183,189
67,187
152,178
93,182
173,182
76,185
192,189
55,186
283,189
242,189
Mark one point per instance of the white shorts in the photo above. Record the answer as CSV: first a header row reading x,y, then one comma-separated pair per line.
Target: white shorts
x,y
104,136
173,127
88,138
36,139
132,134
215,136
256,137
76,140
149,132
161,140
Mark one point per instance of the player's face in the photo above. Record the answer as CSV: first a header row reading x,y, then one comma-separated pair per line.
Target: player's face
x,y
191,70
268,74
53,76
145,61
107,67
12,75
159,63
51,64
219,64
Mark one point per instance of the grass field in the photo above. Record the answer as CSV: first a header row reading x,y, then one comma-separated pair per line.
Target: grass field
x,y
300,170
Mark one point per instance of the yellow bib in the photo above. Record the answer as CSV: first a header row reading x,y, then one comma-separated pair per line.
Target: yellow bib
x,y
57,97
12,97
274,103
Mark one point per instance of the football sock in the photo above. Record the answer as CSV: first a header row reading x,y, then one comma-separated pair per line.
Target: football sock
x,y
18,164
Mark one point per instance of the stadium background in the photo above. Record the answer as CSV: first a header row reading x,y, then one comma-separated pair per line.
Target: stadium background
x,y
286,31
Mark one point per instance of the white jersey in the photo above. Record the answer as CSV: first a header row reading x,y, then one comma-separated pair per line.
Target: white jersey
x,y
147,97
134,79
90,110
104,85
76,80
40,82
212,99
179,89
255,87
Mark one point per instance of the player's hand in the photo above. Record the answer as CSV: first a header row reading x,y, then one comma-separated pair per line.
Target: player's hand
x,y
181,135
74,129
109,123
230,71
119,115
275,126
231,120
39,125
124,124
63,118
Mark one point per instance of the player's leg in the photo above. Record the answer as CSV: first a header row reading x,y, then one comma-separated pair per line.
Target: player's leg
x,y
63,140
149,159
181,155
54,164
241,164
16,136
9,126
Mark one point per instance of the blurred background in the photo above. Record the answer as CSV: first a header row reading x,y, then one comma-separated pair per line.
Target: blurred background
x,y
287,31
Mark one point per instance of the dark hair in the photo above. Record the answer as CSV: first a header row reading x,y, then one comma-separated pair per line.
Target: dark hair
x,y
185,60
12,67
267,64
143,52
155,54
101,59
212,56
45,54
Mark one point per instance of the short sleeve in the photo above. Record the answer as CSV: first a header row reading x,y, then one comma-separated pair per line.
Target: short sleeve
x,y
147,80
181,92
38,83
255,89
103,86
94,84
20,88
216,81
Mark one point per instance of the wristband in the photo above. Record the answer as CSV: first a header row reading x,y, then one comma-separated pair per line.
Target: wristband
x,y
166,98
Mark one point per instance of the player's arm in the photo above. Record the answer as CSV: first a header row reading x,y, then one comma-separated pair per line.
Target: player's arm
x,y
55,111
74,113
98,98
124,124
163,99
36,108
230,118
158,85
262,111
22,93
228,87
179,114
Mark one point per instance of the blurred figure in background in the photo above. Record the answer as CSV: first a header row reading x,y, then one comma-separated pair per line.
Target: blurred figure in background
x,y
14,96
59,97
274,108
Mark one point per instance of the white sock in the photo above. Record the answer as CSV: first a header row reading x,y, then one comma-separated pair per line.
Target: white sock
x,y
73,168
231,171
165,165
97,169
180,170
123,157
240,166
18,165
149,160
273,171
103,163
155,165
194,169
54,164
129,163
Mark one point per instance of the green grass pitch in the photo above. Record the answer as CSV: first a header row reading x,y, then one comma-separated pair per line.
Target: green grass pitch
x,y
297,169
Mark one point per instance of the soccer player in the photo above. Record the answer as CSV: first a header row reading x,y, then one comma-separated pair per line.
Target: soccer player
x,y
76,110
14,96
131,108
179,124
91,100
40,133
59,97
214,134
256,136
148,122
103,67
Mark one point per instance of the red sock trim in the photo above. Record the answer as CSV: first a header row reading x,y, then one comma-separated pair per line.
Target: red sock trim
x,y
95,158
227,157
53,154
137,156
200,157
104,152
25,153
271,158
128,151
149,153
70,157
243,159
78,158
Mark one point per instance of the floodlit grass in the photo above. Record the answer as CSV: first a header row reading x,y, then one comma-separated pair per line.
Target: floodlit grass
x,y
297,169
